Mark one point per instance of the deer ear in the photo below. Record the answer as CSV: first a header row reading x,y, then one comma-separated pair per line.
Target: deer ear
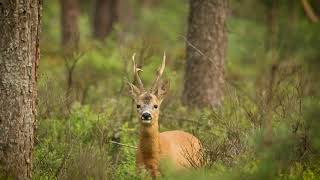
x,y
162,89
133,90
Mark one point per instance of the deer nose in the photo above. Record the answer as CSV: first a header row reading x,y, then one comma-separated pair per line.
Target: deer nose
x,y
146,116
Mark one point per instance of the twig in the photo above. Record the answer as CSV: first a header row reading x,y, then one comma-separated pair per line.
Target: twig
x,y
125,145
64,160
195,48
70,69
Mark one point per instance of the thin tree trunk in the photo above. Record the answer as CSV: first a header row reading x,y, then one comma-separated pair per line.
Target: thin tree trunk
x,y
125,14
271,24
105,14
290,30
206,51
19,58
69,26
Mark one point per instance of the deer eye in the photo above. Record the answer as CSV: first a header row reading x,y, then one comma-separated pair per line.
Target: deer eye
x,y
155,106
138,106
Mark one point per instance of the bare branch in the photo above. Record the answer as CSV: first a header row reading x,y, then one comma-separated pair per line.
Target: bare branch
x,y
309,11
120,144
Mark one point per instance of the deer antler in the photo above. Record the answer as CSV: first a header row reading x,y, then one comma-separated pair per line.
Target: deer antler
x,y
136,73
159,72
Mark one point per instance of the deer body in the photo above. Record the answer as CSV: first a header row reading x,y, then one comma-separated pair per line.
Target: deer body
x,y
180,148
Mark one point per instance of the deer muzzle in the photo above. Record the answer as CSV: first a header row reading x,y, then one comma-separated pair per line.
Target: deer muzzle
x,y
146,117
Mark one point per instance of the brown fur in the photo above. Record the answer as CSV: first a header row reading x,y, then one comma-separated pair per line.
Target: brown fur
x,y
147,98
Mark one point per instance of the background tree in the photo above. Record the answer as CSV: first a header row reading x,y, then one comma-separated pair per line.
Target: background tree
x,y
69,25
70,41
272,7
19,52
206,51
125,14
105,14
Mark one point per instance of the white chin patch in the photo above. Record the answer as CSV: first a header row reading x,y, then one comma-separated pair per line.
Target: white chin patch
x,y
146,121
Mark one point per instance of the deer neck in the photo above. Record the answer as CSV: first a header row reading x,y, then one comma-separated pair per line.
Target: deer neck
x,y
149,141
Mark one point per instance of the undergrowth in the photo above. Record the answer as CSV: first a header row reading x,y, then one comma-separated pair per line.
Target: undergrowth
x,y
76,129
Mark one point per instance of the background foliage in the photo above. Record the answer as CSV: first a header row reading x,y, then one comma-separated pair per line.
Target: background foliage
x,y
281,84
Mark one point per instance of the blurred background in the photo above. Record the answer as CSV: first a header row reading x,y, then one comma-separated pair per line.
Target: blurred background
x,y
266,127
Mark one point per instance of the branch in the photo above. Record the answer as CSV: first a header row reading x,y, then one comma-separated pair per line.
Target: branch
x,y
125,145
309,11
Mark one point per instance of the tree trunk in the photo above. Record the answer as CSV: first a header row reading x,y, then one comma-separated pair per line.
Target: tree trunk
x,y
271,24
125,19
69,26
105,15
206,51
125,13
19,53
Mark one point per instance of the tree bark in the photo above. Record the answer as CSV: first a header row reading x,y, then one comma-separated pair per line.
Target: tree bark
x,y
105,15
19,58
205,53
69,26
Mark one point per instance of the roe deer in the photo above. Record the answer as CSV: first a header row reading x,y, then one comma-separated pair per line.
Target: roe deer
x,y
180,148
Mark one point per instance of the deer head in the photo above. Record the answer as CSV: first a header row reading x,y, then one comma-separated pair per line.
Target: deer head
x,y
148,101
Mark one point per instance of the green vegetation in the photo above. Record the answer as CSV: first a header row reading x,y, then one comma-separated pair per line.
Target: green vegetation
x,y
281,86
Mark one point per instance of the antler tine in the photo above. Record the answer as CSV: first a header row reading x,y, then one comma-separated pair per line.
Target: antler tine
x,y
159,72
136,72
